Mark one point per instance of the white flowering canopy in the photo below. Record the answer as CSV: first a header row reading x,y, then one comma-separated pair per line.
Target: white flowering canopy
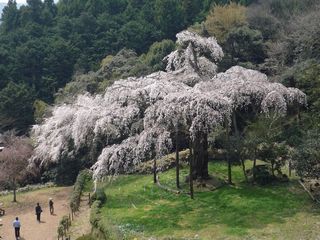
x,y
136,118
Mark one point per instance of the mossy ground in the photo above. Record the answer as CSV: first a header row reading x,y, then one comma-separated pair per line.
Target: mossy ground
x,y
239,211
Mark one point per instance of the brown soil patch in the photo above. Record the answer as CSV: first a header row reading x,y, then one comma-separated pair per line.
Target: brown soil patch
x,y
24,209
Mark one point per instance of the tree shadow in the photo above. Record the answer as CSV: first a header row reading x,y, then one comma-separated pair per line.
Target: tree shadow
x,y
239,208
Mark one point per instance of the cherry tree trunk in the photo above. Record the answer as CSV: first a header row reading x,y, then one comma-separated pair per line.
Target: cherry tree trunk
x,y
154,170
14,194
200,157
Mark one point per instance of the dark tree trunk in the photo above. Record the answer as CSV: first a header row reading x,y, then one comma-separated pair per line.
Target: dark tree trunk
x,y
272,167
200,157
254,166
14,194
177,158
290,168
244,169
235,125
154,170
191,160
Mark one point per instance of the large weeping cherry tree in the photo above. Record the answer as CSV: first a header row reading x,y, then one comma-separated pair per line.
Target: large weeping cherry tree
x,y
139,119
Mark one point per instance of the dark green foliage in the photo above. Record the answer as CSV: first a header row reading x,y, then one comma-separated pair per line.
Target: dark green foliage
x,y
267,24
95,211
16,107
263,175
10,16
243,45
169,17
307,155
262,140
306,76
125,63
157,52
79,186
42,44
99,195
64,226
288,8
66,171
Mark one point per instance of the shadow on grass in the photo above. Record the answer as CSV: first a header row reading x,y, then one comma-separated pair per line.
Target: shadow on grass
x,y
239,208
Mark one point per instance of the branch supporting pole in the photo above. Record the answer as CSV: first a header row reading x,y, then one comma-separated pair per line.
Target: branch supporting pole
x,y
235,125
154,170
191,160
228,151
177,158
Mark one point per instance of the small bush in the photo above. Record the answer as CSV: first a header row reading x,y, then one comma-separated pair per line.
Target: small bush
x,y
79,186
95,213
63,226
99,195
263,175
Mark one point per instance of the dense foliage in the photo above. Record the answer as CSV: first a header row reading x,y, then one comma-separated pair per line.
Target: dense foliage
x,y
42,44
78,189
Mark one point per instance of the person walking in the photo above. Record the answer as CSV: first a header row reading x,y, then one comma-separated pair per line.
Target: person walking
x,y
51,206
16,225
38,212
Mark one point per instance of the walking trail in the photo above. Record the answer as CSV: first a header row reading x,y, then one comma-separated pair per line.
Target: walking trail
x,y
24,209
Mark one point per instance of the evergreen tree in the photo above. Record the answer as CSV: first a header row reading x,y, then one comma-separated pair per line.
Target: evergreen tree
x,y
10,16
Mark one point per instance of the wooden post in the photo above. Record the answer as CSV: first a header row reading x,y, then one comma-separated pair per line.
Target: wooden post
x,y
191,157
235,125
154,170
177,157
290,168
228,151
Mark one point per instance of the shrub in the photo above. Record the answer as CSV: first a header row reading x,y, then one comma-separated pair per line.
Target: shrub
x,y
263,175
63,226
102,228
79,186
99,195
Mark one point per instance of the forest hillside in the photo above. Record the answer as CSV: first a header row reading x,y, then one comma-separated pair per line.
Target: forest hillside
x,y
195,114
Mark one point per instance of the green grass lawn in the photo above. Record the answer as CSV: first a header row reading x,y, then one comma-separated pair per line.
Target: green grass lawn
x,y
141,209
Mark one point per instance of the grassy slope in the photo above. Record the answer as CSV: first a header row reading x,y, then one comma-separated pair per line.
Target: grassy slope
x,y
282,211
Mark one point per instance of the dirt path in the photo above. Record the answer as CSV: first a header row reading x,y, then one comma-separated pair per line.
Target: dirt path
x,y
24,209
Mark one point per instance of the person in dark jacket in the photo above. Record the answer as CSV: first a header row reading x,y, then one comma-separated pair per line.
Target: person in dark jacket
x,y
51,206
38,212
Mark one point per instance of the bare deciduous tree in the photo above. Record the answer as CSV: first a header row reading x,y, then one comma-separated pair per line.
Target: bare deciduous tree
x,y
14,161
